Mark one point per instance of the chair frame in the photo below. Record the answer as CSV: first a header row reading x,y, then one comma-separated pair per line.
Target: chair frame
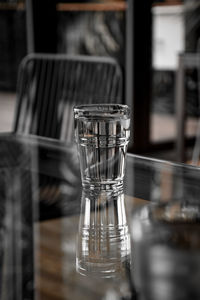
x,y
64,58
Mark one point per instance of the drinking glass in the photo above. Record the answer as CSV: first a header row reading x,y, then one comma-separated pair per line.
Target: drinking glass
x,y
102,133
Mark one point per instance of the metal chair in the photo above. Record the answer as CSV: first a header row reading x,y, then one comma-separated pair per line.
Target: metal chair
x,y
49,85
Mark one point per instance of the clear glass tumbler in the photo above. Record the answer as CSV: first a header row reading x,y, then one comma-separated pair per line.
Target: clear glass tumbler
x,y
102,134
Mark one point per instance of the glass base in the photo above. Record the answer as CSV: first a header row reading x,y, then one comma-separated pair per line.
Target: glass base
x,y
103,269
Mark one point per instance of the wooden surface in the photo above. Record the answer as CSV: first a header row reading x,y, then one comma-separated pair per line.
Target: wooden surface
x,y
50,256
56,276
168,3
107,6
12,6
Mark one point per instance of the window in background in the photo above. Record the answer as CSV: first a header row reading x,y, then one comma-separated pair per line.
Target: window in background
x,y
167,42
176,29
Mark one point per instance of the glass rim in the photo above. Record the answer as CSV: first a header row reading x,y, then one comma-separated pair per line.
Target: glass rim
x,y
102,109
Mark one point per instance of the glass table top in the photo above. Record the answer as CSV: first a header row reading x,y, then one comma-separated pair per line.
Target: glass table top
x,y
44,253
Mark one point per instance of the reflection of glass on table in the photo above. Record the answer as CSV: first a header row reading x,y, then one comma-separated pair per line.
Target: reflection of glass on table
x,y
103,242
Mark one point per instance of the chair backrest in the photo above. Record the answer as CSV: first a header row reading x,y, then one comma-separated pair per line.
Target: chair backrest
x,y
50,85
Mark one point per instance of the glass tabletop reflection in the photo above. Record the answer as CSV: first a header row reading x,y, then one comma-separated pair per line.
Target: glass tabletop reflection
x,y
62,244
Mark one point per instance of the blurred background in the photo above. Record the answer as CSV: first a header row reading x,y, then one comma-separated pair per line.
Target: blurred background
x,y
144,38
